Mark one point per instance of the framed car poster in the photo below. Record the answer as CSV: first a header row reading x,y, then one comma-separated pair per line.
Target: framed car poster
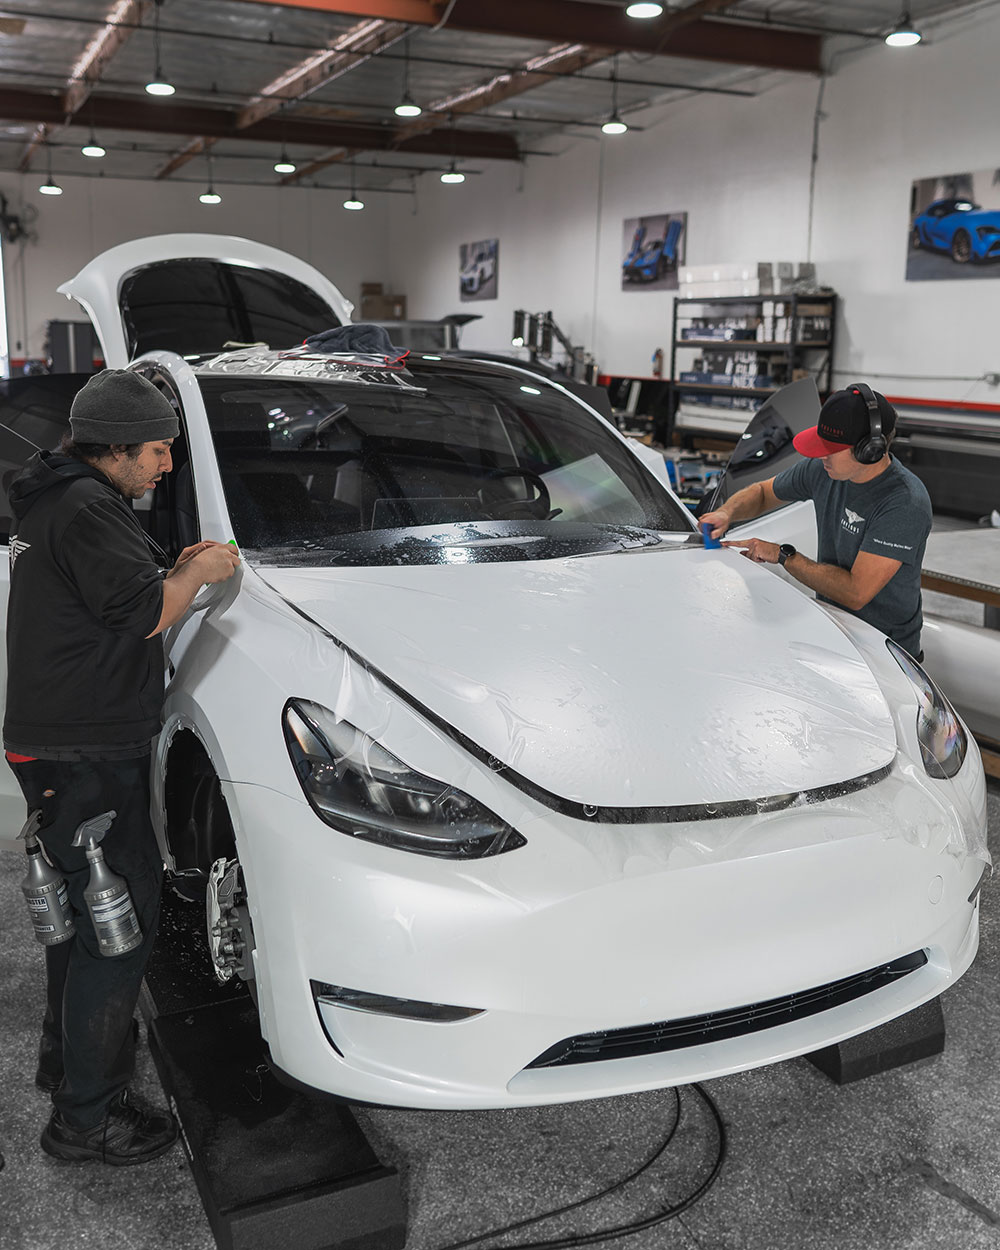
x,y
652,250
954,227
478,265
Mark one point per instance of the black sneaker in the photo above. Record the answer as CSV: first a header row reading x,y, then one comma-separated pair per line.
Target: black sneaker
x,y
125,1136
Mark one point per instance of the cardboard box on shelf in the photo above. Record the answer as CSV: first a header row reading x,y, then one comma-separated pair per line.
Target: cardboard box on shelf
x,y
371,288
383,307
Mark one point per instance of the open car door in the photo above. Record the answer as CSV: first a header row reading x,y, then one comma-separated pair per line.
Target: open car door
x,y
764,449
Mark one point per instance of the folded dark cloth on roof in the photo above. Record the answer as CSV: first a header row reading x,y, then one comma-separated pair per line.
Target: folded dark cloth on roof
x,y
359,338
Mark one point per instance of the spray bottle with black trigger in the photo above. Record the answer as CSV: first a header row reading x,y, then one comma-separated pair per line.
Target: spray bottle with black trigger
x,y
107,896
44,890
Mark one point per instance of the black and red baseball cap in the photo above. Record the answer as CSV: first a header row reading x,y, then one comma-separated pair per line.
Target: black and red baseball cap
x,y
843,423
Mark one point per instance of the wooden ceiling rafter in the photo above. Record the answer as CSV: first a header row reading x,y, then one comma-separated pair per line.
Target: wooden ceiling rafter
x,y
120,24
698,35
168,118
345,53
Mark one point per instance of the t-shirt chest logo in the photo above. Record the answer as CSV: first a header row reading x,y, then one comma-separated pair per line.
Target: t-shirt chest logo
x,y
16,548
852,521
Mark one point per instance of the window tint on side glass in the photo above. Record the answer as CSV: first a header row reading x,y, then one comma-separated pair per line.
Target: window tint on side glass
x,y
34,415
765,447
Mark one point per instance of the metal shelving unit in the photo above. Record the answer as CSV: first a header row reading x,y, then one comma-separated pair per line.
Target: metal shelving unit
x,y
796,335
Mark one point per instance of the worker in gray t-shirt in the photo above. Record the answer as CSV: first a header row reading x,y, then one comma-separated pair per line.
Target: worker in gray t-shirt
x,y
873,515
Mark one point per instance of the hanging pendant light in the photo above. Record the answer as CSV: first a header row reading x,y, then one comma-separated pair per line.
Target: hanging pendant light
x,y
644,10
614,125
210,195
92,148
283,165
158,84
50,186
904,34
452,176
407,107
352,202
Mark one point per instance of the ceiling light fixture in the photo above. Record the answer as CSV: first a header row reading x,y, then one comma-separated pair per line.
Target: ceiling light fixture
x,y
644,10
283,165
903,34
407,107
614,125
49,186
353,204
93,148
158,84
452,176
210,195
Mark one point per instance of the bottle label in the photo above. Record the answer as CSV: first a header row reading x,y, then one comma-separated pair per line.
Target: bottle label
x,y
38,904
114,909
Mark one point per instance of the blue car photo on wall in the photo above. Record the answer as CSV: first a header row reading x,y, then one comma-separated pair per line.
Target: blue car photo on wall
x,y
652,250
955,227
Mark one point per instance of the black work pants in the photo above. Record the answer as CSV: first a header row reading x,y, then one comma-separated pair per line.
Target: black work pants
x,y
92,997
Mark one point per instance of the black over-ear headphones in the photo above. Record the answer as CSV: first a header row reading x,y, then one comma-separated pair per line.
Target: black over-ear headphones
x,y
872,446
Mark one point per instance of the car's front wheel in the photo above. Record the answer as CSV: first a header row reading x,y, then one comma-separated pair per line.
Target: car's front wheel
x,y
916,241
961,247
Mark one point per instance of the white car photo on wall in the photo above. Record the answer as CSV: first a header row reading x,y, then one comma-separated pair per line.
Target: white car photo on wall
x,y
507,789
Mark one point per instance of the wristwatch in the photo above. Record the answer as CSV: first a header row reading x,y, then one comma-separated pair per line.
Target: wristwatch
x,y
785,552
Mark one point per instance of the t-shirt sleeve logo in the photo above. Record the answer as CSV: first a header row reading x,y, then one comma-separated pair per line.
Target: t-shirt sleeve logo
x,y
16,548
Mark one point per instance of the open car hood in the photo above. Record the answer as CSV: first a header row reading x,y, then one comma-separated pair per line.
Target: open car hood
x,y
663,677
205,303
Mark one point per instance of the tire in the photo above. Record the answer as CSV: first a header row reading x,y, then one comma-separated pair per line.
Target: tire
x,y
961,247
915,240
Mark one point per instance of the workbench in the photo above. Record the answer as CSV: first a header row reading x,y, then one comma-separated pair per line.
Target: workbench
x,y
966,563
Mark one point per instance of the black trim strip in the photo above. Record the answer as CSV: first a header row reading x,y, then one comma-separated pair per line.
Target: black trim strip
x,y
674,814
716,1026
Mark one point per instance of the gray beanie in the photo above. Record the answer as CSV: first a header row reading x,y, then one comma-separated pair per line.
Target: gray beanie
x,y
120,406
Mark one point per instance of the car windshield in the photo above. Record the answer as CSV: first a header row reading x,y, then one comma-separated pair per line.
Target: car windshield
x,y
372,466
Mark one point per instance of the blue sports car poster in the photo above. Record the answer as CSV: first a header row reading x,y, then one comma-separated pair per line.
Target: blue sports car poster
x,y
652,250
954,227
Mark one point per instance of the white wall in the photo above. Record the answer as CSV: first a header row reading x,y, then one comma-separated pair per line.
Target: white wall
x,y
93,214
741,168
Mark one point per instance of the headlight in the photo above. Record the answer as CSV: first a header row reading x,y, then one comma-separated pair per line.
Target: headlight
x,y
358,787
943,742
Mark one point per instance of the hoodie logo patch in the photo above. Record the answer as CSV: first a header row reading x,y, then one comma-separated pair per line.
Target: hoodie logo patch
x,y
16,547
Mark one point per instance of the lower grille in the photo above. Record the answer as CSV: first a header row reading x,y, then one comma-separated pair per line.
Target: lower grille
x,y
653,1039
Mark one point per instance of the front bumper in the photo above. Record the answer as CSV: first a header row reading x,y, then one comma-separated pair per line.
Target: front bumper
x,y
628,926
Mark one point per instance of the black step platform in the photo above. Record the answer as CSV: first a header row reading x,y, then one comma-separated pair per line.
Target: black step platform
x,y
917,1035
274,1166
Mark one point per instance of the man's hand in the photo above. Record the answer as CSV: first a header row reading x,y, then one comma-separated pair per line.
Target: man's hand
x,y
215,562
188,552
199,565
854,588
720,521
755,549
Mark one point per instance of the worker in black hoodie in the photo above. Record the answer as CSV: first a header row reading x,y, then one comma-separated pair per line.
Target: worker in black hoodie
x,y
84,693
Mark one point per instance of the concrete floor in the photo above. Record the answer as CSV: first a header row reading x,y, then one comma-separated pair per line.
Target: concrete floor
x,y
907,1160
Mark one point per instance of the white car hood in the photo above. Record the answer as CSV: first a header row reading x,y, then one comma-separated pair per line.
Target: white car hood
x,y
647,679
